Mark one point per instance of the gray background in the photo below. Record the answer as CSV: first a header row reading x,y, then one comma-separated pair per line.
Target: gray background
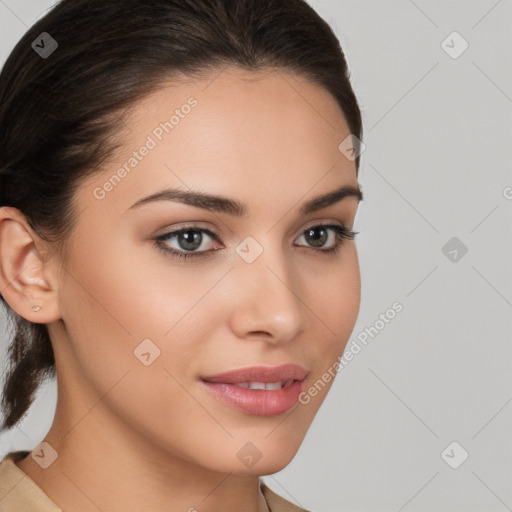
x,y
436,166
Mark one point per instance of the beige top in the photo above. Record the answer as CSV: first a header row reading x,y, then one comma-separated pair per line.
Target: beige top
x,y
18,492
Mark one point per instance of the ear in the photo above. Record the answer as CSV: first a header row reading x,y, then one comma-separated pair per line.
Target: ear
x,y
26,278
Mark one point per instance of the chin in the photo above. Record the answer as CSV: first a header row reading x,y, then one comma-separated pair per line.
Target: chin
x,y
273,466
262,468
273,459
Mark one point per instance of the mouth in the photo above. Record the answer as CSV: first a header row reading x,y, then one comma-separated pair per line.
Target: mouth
x,y
259,391
265,385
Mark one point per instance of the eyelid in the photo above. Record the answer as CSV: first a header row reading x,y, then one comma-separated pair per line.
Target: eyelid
x,y
199,225
187,225
323,221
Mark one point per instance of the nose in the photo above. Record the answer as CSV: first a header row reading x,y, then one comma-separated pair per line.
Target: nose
x,y
266,301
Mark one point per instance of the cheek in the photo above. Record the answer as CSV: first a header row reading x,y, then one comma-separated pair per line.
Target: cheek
x,y
336,296
336,304
111,308
119,307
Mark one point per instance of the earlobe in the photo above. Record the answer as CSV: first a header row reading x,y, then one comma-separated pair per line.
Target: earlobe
x,y
25,278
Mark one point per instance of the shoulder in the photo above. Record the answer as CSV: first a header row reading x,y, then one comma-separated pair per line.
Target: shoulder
x,y
18,491
277,503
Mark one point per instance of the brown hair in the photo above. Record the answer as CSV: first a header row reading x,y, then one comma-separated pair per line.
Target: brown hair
x,y
59,115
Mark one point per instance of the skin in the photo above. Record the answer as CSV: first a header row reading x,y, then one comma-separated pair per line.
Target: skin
x,y
134,437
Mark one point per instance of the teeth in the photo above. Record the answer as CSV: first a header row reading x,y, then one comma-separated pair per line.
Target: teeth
x,y
264,385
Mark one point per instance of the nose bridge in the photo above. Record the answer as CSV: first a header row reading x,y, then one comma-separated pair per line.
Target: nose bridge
x,y
267,298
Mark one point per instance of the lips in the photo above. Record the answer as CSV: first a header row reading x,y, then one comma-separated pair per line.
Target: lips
x,y
259,390
260,374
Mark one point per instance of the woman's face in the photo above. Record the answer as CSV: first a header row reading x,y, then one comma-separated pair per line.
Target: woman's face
x,y
141,328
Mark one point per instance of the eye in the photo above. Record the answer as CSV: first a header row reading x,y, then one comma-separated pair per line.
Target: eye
x,y
190,239
317,236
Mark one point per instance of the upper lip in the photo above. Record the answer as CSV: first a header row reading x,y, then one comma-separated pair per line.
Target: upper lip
x,y
260,374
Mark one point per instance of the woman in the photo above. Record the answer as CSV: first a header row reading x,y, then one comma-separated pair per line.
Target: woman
x,y
178,186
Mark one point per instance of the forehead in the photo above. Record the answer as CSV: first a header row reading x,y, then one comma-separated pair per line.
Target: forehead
x,y
233,129
232,98
235,83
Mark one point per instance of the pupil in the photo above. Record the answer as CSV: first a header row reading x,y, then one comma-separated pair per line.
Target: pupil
x,y
190,242
317,241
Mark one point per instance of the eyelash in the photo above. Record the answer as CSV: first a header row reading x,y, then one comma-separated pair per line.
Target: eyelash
x,y
341,232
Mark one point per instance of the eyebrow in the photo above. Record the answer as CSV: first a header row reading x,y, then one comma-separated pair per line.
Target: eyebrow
x,y
238,209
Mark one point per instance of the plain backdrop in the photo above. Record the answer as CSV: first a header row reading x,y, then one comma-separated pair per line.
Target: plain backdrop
x,y
420,418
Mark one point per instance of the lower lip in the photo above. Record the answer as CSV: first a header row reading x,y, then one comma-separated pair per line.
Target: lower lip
x,y
258,402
